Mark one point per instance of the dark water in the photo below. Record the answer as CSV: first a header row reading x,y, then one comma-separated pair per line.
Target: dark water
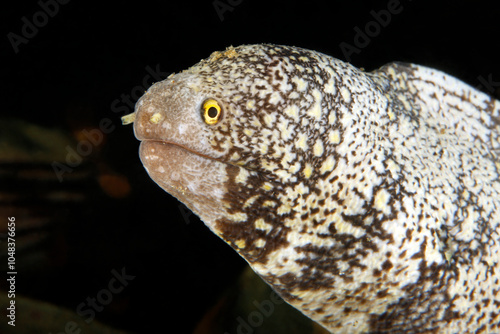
x,y
86,211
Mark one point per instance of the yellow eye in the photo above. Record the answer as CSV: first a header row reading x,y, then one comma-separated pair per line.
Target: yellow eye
x,y
211,111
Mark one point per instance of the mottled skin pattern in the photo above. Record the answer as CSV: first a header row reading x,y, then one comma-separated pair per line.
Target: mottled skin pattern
x,y
368,201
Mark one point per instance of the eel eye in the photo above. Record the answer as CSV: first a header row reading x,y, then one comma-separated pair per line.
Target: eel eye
x,y
211,111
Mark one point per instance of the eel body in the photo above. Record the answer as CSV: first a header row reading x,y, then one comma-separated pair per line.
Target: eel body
x,y
370,201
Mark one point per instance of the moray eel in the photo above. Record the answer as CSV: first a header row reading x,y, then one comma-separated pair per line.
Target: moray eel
x,y
370,201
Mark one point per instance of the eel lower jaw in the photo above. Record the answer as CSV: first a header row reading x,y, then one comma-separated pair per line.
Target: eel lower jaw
x,y
197,180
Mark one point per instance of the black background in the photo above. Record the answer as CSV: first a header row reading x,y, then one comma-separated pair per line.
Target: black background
x,y
90,53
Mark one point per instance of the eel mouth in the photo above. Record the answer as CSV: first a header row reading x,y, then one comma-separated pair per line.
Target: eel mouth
x,y
194,152
182,171
197,180
166,142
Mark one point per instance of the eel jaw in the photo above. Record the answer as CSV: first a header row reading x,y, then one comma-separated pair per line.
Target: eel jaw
x,y
195,179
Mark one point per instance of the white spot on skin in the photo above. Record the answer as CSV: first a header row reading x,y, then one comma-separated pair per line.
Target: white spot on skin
x,y
292,111
308,170
263,148
242,176
255,122
299,68
315,110
269,119
381,201
235,156
334,137
330,87
269,204
318,149
327,165
295,168
332,117
251,104
267,186
260,224
302,141
285,129
275,98
346,94
301,84
259,243
238,217
240,243
393,168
